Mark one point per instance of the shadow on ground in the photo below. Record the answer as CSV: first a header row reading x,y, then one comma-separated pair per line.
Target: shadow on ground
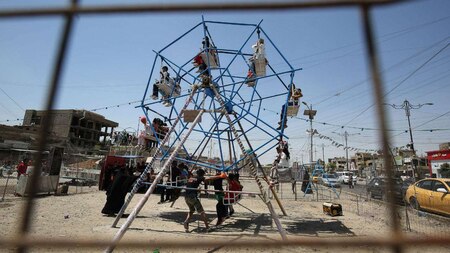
x,y
316,227
252,224
238,223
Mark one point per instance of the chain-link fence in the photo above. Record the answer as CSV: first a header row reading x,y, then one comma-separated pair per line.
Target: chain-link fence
x,y
77,173
411,220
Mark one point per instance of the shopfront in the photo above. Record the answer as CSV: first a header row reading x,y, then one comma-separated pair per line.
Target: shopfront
x,y
436,159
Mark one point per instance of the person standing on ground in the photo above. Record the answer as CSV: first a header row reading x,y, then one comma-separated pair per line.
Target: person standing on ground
x,y
175,173
350,181
221,209
22,168
233,185
192,200
162,190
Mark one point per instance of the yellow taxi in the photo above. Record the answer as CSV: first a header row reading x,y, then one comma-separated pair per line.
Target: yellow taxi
x,y
315,179
431,194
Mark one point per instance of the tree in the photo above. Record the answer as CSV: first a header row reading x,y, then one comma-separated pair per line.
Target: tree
x,y
331,166
445,170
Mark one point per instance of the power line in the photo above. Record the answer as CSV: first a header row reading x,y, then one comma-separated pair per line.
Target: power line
x,y
339,93
417,69
440,116
386,37
12,99
403,81
361,128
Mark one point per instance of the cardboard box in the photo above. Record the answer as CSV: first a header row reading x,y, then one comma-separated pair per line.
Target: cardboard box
x,y
332,209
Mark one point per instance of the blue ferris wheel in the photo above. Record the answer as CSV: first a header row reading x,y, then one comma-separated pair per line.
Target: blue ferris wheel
x,y
218,96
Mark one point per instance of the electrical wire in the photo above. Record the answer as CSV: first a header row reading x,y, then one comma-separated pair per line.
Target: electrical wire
x,y
15,102
351,87
403,81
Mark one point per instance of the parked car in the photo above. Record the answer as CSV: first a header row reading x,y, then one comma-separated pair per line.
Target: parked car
x,y
343,177
315,179
431,194
6,170
377,189
330,180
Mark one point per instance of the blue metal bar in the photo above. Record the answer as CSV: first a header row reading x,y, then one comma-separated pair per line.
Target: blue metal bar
x,y
231,23
262,98
276,48
202,164
204,138
177,39
263,122
232,51
148,82
240,49
267,76
229,96
157,113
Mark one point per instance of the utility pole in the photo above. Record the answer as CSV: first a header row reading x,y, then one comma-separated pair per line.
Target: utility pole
x,y
346,146
315,152
311,113
323,154
346,149
407,107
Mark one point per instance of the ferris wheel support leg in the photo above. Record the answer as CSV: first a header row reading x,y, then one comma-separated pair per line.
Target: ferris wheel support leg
x,y
158,151
252,166
275,195
150,190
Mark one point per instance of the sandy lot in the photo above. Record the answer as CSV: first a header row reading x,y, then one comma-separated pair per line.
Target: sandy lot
x,y
78,216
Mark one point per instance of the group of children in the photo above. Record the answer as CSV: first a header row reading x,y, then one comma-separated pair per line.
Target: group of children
x,y
203,61
224,209
169,87
179,176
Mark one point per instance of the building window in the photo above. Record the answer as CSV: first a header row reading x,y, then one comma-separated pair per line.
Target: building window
x,y
75,121
36,120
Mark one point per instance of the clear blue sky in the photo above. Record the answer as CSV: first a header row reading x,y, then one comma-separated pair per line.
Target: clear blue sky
x,y
110,58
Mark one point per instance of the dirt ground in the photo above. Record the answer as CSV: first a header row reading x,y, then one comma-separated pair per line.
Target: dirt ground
x,y
78,216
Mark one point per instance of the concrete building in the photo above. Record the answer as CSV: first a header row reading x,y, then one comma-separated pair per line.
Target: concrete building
x,y
341,163
444,146
80,128
363,160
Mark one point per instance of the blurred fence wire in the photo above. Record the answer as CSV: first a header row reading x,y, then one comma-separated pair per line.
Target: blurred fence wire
x,y
411,220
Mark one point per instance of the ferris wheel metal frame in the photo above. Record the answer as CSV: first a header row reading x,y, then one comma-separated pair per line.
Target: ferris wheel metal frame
x,y
244,103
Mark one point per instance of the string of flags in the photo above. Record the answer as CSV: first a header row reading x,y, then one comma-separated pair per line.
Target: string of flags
x,y
265,109
10,120
362,128
339,145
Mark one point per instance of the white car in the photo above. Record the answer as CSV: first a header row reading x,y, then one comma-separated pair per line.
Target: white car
x,y
343,177
330,180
